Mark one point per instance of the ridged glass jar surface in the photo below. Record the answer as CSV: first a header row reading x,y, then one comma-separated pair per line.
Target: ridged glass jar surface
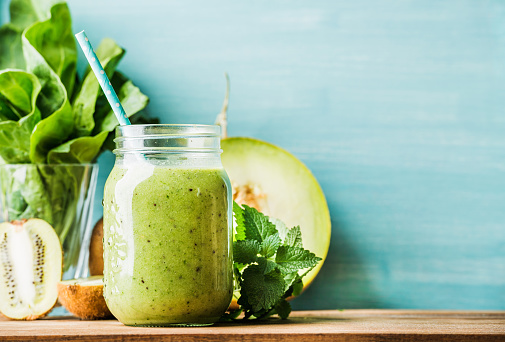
x,y
167,227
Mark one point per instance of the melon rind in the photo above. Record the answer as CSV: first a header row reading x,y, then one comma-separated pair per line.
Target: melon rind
x,y
293,195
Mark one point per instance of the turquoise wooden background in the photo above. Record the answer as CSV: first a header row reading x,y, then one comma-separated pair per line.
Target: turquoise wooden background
x,y
398,108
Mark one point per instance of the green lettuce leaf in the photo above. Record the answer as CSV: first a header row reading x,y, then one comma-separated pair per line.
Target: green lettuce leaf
x,y
15,139
18,94
11,51
109,53
109,143
131,98
50,133
25,193
54,41
19,115
53,94
36,196
24,13
57,120
80,150
48,116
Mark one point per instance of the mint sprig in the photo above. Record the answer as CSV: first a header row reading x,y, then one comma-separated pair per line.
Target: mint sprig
x,y
266,266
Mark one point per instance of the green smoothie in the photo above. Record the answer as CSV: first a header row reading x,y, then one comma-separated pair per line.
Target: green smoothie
x,y
167,249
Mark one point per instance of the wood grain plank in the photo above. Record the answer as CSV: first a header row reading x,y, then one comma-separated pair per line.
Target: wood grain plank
x,y
351,325
396,106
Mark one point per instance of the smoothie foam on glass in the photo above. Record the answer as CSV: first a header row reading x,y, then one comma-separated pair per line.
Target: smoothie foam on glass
x,y
167,227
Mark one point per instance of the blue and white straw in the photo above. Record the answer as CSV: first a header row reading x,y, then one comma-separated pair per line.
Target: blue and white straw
x,y
102,78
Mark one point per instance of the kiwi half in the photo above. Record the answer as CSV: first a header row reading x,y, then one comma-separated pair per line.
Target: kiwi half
x,y
83,297
30,267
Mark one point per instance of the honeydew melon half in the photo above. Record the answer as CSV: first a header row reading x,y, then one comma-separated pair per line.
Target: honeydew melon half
x,y
279,185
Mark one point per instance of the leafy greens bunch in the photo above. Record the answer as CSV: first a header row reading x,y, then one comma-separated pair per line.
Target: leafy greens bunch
x,y
46,114
50,116
267,259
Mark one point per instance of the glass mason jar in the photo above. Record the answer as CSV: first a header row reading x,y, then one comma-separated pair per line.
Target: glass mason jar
x,y
168,227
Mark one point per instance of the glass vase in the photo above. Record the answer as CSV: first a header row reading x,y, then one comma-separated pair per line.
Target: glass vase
x,y
62,195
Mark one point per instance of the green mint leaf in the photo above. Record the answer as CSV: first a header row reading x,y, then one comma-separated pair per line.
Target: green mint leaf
x,y
294,284
239,220
266,265
264,284
291,259
270,245
262,291
281,227
290,279
297,287
283,308
245,251
294,238
257,225
243,301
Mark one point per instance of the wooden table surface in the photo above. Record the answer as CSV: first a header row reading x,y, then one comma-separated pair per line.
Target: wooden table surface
x,y
348,325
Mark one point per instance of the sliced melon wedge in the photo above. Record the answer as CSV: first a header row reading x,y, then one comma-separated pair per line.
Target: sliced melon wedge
x,y
279,185
30,267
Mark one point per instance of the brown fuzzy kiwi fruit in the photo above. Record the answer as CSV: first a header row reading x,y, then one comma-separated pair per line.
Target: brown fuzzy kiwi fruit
x,y
83,297
30,266
96,250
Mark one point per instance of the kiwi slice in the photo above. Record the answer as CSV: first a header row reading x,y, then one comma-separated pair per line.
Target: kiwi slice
x,y
83,297
30,267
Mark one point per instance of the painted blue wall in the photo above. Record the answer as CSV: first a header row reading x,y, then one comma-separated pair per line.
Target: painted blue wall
x,y
397,107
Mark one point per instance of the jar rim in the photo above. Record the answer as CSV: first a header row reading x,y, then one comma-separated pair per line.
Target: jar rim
x,y
146,130
168,138
48,165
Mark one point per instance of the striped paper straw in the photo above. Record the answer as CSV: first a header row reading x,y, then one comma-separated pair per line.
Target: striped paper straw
x,y
102,78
